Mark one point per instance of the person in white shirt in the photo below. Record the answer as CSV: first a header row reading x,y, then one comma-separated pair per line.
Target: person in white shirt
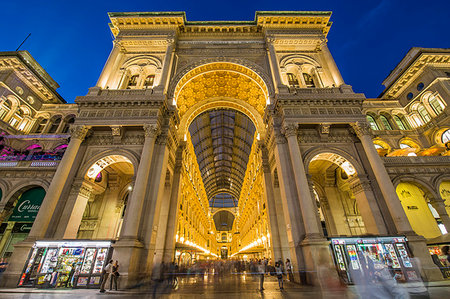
x,y
107,271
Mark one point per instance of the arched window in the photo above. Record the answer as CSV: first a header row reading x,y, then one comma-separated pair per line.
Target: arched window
x,y
445,136
436,104
292,80
385,122
5,107
132,82
423,113
404,145
417,120
399,122
17,118
149,80
67,124
55,125
309,81
372,123
41,125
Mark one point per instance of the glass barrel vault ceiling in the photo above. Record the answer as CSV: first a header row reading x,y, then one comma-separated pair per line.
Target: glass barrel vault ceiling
x,y
222,140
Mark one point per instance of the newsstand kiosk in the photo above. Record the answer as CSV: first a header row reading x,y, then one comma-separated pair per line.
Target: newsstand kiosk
x,y
59,264
391,252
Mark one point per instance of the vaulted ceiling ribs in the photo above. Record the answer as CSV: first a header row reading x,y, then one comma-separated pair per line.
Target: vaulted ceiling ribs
x,y
222,140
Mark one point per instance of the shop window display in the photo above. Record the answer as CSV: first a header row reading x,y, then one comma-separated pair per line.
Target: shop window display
x,y
357,255
66,264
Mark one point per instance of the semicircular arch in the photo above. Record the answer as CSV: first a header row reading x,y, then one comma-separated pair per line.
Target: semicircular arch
x,y
204,63
131,156
312,153
221,102
426,187
24,186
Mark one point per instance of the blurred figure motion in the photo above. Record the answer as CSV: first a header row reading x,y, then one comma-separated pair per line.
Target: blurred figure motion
x,y
375,279
328,280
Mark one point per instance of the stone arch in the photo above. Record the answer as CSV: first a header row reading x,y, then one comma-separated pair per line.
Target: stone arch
x,y
427,188
130,155
230,103
255,68
437,135
216,210
296,58
24,186
143,60
315,151
437,181
4,186
409,141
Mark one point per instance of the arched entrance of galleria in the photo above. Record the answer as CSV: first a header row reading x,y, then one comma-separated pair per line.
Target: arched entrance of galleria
x,y
220,169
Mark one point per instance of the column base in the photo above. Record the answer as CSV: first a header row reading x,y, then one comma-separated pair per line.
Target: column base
x,y
10,278
128,253
418,246
318,260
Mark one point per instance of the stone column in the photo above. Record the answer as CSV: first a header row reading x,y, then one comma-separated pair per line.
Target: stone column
x,y
155,197
271,208
108,68
416,243
439,205
307,206
74,208
368,206
169,246
314,246
128,248
335,73
167,65
328,215
384,182
40,225
6,236
292,216
136,202
274,66
53,194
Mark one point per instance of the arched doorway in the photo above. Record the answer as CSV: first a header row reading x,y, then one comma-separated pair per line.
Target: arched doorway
x,y
107,185
421,215
333,176
20,213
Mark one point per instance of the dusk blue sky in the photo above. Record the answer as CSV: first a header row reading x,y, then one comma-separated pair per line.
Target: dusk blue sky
x,y
72,40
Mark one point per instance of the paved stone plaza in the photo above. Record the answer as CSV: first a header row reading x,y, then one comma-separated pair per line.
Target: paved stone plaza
x,y
208,287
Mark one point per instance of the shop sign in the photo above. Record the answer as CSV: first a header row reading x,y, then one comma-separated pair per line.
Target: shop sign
x,y
21,227
26,209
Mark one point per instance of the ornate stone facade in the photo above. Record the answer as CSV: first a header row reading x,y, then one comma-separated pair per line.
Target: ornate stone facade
x,y
132,171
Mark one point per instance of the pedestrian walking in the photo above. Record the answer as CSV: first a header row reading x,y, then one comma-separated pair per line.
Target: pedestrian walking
x,y
106,272
261,272
114,276
279,271
289,270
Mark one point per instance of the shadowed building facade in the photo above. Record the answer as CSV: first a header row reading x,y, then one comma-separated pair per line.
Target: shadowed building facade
x,y
207,140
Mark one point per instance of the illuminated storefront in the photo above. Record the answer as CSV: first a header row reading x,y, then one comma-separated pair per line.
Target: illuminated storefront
x,y
58,264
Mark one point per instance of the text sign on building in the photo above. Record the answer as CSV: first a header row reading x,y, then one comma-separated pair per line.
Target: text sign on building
x,y
28,206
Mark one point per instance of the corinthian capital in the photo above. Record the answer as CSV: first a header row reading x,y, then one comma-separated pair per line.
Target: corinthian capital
x,y
151,130
290,130
78,132
361,128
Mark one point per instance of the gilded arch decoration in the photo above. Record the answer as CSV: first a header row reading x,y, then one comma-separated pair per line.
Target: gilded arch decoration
x,y
249,65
